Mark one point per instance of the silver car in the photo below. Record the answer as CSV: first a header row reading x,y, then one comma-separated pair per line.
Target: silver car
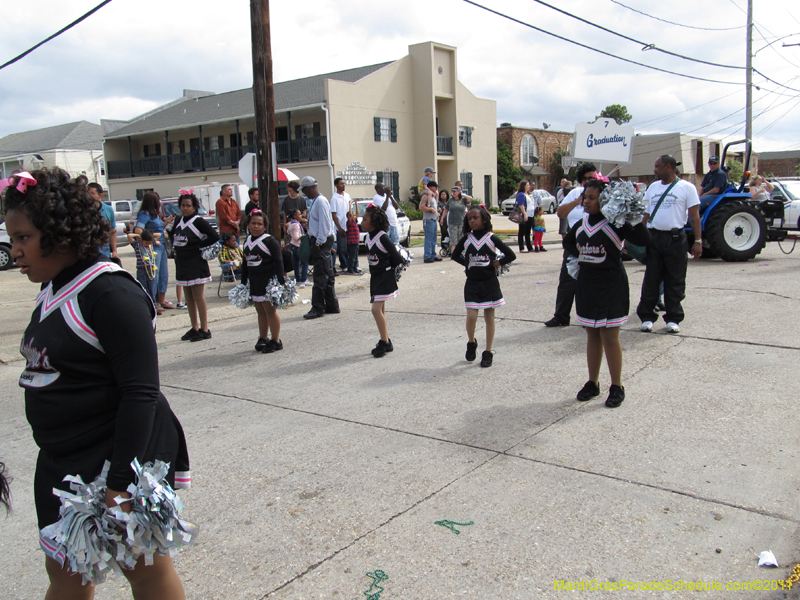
x,y
543,198
403,223
5,249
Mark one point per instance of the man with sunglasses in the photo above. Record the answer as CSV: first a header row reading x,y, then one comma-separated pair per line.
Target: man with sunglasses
x,y
571,208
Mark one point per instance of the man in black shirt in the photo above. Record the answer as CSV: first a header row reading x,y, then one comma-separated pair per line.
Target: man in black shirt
x,y
714,183
254,203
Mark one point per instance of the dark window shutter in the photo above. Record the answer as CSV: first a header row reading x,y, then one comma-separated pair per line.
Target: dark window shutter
x,y
221,141
158,149
146,150
251,138
396,182
469,137
379,176
377,123
298,132
233,140
206,143
182,146
394,129
317,131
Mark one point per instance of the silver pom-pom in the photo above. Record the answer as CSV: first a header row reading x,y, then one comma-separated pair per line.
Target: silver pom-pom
x,y
281,295
502,269
239,295
153,525
572,266
210,253
620,203
83,539
407,258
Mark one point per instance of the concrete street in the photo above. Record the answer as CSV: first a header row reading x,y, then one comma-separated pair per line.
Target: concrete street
x,y
317,464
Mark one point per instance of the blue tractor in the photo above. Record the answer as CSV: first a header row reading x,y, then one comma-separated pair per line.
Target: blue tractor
x,y
734,227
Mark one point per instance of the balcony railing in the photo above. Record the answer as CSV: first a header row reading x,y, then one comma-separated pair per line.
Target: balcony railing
x,y
444,145
306,150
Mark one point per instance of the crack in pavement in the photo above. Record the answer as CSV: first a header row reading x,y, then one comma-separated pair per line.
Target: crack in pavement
x,y
654,359
719,289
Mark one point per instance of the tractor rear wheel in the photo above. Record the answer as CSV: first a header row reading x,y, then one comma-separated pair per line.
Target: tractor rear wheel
x,y
736,232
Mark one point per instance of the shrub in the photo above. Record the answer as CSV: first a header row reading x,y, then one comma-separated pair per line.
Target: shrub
x,y
494,210
411,212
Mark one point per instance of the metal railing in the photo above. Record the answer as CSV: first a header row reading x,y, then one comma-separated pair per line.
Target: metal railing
x,y
444,145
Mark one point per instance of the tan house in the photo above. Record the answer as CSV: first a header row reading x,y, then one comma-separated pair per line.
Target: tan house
x,y
534,150
383,122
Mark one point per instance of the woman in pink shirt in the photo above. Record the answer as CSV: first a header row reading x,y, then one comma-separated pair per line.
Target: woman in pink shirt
x,y
296,231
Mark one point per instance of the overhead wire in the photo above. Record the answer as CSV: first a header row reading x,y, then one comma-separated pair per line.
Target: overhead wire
x,y
667,117
630,39
678,24
539,29
55,35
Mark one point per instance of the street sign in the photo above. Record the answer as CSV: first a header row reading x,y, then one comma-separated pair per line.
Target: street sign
x,y
603,141
248,169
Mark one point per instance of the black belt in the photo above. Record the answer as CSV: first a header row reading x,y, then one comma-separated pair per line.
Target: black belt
x,y
669,231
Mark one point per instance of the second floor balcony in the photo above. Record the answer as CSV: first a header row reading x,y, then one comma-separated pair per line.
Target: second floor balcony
x,y
291,151
444,145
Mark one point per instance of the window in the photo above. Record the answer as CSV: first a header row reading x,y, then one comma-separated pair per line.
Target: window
x,y
177,147
528,152
214,142
465,136
466,180
152,150
385,129
390,179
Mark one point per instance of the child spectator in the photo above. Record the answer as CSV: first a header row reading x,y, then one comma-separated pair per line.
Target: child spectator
x,y
296,231
231,257
478,252
538,230
383,258
353,240
146,268
263,261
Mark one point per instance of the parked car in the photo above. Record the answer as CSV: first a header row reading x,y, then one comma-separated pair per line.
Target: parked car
x,y
5,249
403,223
546,200
124,210
788,190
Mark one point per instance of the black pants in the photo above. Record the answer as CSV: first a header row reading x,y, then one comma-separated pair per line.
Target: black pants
x,y
525,232
323,294
566,292
667,259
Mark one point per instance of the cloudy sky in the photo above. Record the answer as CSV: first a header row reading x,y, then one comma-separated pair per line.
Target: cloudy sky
x,y
134,55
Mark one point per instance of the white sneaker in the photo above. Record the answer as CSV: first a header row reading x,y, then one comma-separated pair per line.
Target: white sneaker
x,y
180,305
647,326
673,328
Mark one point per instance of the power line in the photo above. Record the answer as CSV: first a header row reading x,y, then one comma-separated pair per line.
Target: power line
x,y
679,24
775,82
595,49
630,39
771,47
680,112
56,34
768,127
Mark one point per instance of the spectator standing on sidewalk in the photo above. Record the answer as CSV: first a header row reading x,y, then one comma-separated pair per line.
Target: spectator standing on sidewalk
x,y
108,250
321,233
229,215
353,240
253,203
453,215
428,206
340,206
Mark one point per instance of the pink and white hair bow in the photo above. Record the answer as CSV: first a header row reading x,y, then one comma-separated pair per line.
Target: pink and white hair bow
x,y
601,177
23,180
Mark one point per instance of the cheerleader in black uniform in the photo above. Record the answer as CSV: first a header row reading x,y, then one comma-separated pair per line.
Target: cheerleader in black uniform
x,y
263,261
383,259
478,250
189,235
602,299
91,379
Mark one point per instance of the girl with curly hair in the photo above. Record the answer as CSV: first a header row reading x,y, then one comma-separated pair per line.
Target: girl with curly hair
x,y
149,217
189,236
479,252
91,377
383,258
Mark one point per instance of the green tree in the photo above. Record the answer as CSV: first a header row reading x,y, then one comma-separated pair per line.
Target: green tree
x,y
618,112
508,176
735,170
797,170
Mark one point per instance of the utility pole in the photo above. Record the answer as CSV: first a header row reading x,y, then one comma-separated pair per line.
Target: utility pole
x,y
264,101
748,128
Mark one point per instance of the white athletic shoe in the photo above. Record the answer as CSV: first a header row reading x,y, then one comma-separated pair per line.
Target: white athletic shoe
x,y
647,326
180,305
673,328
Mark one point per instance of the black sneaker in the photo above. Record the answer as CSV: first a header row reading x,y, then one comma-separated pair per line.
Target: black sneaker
x,y
472,349
202,335
314,314
389,347
486,358
616,394
588,391
555,323
380,349
272,346
660,307
542,249
437,259
536,249
189,335
260,344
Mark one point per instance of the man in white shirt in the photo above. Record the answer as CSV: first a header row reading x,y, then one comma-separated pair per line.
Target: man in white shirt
x,y
320,235
383,198
340,205
668,199
571,208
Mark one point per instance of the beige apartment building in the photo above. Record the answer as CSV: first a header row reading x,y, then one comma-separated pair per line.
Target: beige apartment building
x,y
380,123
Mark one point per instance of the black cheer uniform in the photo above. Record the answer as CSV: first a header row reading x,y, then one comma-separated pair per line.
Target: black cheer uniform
x,y
383,258
91,384
602,297
262,261
477,251
189,237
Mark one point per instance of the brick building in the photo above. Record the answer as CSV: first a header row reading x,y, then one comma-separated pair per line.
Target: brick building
x,y
533,151
779,164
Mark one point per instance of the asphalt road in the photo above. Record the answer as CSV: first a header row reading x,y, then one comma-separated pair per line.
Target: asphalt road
x,y
318,464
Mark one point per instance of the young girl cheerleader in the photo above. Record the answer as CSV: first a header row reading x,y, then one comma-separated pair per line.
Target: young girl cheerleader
x,y
189,235
601,295
383,258
478,252
91,379
263,261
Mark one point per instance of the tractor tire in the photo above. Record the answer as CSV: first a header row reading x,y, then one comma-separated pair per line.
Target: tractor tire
x,y
736,232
